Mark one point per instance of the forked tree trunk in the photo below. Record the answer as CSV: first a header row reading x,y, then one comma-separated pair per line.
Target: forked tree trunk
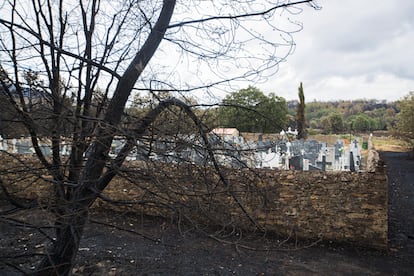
x,y
69,230
71,223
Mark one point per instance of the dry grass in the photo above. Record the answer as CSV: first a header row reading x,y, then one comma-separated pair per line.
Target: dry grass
x,y
381,143
389,143
329,139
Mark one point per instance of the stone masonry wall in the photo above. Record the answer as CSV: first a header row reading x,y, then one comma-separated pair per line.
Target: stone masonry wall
x,y
344,207
337,206
373,159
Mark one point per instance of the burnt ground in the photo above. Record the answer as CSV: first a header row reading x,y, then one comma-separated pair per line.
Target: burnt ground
x,y
136,245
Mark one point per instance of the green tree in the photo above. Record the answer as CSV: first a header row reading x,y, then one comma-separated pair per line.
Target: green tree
x,y
333,123
362,123
250,110
336,123
405,120
325,124
300,114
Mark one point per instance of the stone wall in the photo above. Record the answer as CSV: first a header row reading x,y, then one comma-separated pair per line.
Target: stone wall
x,y
335,206
373,159
342,207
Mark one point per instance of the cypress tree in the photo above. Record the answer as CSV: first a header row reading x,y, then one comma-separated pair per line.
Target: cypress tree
x,y
300,114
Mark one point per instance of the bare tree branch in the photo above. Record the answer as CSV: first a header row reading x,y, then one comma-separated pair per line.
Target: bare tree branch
x,y
238,16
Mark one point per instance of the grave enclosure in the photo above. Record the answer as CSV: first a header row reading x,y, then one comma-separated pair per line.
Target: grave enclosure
x,y
340,206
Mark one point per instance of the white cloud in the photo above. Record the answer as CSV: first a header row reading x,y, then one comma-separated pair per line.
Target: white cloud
x,y
349,50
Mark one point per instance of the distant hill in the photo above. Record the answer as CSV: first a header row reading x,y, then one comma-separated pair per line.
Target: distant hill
x,y
343,116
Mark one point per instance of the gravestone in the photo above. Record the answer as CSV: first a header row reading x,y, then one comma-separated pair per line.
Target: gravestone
x,y
23,147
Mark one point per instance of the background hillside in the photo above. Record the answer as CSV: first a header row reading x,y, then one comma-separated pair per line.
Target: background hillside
x,y
344,116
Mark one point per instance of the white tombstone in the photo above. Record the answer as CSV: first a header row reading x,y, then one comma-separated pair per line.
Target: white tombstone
x,y
342,161
288,145
270,159
286,162
288,154
278,157
306,164
283,135
1,142
14,143
293,132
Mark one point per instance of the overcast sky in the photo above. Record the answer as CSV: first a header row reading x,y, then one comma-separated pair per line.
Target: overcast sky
x,y
351,50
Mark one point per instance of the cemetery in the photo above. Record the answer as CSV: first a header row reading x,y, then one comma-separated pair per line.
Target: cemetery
x,y
288,186
283,152
341,205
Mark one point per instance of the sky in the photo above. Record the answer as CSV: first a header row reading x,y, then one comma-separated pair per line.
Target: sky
x,y
350,50
347,50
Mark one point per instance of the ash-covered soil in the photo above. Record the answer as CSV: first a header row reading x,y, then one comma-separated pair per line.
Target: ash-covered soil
x,y
117,243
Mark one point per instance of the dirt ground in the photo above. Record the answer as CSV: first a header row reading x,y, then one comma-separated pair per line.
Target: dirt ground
x,y
136,245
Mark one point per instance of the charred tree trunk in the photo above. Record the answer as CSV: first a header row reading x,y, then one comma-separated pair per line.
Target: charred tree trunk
x,y
72,218
69,230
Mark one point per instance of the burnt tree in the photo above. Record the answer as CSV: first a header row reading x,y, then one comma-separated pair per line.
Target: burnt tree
x,y
91,57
